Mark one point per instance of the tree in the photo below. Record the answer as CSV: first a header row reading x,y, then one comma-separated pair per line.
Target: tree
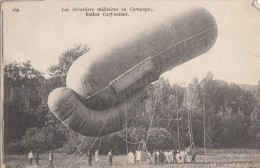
x,y
21,100
57,79
65,60
227,112
255,120
27,115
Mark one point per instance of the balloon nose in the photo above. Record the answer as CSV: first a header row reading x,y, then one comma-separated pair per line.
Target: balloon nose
x,y
58,102
65,105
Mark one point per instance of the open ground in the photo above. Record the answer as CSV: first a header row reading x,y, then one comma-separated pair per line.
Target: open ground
x,y
221,158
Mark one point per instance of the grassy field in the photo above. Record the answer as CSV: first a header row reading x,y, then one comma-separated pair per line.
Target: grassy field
x,y
221,158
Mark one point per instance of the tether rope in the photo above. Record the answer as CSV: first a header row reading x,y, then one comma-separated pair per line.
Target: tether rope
x,y
125,127
133,143
99,142
204,125
165,119
164,136
82,138
150,127
178,129
192,130
76,150
97,136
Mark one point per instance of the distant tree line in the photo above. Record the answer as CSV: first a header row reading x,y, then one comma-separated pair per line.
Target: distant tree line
x,y
208,112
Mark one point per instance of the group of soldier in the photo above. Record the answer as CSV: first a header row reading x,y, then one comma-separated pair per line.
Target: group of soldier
x,y
159,157
89,156
36,157
172,157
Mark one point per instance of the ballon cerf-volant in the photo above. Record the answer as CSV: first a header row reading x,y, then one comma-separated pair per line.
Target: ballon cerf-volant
x,y
102,89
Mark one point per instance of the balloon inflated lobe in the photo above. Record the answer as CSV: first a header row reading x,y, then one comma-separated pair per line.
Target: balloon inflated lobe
x,y
103,90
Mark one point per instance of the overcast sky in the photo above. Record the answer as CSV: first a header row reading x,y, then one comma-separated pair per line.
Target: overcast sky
x,y
40,32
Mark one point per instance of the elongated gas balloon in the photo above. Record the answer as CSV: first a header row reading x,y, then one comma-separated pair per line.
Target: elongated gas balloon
x,y
101,91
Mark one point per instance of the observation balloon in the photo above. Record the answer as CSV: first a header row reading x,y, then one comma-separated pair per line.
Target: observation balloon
x,y
102,88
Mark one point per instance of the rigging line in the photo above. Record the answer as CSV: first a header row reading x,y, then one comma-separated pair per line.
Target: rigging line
x,y
51,132
99,142
164,142
184,40
163,137
191,134
125,126
98,134
192,130
82,138
136,139
204,125
178,132
175,119
184,54
170,129
133,143
176,44
176,97
189,127
94,100
76,150
150,127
